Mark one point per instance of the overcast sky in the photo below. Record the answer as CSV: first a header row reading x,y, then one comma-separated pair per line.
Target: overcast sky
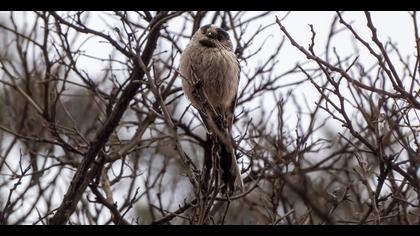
x,y
395,25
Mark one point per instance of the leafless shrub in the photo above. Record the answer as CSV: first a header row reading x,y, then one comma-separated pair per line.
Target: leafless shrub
x,y
121,145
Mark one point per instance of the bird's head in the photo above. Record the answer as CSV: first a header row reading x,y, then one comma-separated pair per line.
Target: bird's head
x,y
212,36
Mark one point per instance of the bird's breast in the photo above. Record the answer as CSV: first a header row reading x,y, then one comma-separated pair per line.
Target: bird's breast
x,y
218,70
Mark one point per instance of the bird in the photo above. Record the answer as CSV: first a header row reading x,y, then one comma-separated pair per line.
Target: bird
x,y
210,72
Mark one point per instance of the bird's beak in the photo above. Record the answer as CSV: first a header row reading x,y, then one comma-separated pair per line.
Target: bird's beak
x,y
211,32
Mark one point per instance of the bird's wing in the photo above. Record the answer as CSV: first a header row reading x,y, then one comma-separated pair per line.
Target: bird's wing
x,y
235,99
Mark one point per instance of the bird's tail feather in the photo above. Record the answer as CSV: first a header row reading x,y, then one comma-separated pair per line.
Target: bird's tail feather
x,y
231,175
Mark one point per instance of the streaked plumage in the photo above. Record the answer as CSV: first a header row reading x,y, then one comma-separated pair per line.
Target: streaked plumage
x,y
210,57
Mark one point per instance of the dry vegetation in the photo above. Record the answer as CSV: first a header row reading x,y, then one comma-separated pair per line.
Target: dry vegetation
x,y
124,147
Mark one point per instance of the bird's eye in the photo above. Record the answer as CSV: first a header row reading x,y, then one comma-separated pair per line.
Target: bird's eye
x,y
222,35
204,28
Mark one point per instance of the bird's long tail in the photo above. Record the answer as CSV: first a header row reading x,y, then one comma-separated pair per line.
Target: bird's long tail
x,y
223,141
231,175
